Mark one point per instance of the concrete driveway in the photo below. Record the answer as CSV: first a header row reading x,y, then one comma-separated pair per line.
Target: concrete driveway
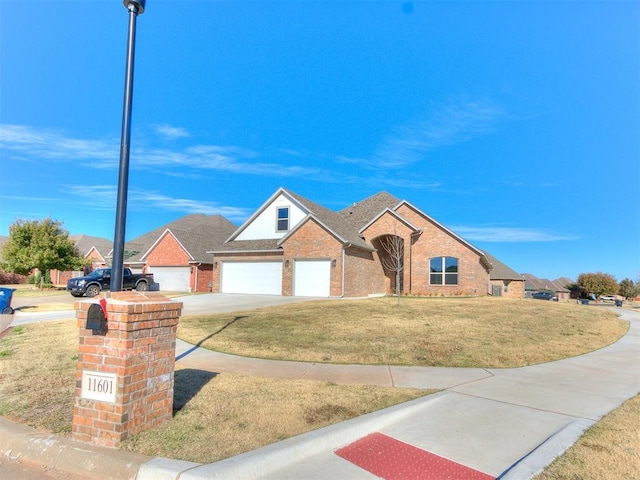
x,y
204,304
210,303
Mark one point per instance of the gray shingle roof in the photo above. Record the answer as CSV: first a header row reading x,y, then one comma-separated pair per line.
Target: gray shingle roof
x,y
246,246
534,283
361,213
197,233
337,223
84,243
500,271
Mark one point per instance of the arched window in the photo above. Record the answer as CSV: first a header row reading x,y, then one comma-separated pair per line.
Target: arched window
x,y
443,271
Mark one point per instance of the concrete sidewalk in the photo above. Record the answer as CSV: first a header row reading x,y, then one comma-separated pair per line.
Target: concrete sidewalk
x,y
486,423
501,423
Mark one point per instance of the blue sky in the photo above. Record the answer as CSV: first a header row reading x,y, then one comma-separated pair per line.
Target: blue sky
x,y
516,123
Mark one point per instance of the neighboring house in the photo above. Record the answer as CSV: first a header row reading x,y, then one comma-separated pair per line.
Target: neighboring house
x,y
94,250
561,288
292,246
176,253
535,284
505,282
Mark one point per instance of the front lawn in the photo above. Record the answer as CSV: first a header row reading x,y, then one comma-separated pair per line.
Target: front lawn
x,y
448,332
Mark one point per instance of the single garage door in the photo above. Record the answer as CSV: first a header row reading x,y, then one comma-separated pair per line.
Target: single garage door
x,y
312,278
252,277
172,279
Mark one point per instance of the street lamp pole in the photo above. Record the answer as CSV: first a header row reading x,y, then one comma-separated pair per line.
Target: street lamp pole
x,y
134,7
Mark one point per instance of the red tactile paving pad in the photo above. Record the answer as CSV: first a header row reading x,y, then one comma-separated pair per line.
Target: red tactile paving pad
x,y
392,459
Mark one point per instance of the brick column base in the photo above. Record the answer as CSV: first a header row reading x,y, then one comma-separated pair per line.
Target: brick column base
x,y
125,376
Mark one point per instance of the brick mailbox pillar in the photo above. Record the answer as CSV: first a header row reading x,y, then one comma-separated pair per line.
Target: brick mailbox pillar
x,y
125,366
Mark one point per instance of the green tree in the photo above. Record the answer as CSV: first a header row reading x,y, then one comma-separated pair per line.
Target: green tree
x,y
628,289
598,283
41,244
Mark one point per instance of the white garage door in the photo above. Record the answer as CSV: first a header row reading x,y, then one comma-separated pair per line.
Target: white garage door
x,y
252,277
312,278
172,279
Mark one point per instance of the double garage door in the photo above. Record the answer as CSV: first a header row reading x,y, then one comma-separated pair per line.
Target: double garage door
x,y
311,278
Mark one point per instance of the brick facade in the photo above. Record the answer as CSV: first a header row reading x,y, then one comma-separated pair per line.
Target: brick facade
x,y
312,242
139,349
363,273
355,250
168,252
219,259
510,288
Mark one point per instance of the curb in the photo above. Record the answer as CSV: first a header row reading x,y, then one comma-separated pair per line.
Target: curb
x,y
67,455
544,454
266,460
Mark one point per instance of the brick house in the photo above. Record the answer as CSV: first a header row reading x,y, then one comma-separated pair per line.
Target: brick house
x,y
95,250
292,246
176,253
505,282
559,286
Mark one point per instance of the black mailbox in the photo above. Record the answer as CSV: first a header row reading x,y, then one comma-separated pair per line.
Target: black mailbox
x,y
96,319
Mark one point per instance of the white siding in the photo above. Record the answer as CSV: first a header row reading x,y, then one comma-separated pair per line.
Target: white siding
x,y
264,225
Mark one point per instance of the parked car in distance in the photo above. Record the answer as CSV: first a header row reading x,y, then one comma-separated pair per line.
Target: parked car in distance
x,y
611,298
100,279
544,296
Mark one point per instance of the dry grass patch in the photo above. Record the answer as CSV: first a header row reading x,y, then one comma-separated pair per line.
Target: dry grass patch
x,y
37,374
232,414
610,449
216,415
452,332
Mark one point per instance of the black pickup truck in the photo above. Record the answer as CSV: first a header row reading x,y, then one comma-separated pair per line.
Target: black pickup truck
x,y
100,279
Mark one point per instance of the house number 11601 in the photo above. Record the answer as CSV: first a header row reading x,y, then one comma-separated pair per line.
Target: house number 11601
x,y
99,386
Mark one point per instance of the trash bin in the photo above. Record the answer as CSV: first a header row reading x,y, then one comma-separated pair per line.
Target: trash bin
x,y
618,303
5,300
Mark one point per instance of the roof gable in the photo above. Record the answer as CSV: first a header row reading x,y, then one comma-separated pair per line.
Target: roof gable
x,y
450,232
86,243
161,238
264,221
196,233
396,215
262,224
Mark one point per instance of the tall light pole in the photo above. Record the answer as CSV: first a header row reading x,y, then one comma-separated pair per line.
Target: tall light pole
x,y
135,7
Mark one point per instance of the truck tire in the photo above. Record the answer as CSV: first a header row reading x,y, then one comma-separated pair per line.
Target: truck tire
x,y
92,290
142,286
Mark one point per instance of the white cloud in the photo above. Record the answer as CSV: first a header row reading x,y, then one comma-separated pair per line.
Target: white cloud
x,y
456,122
170,132
31,144
103,197
509,234
22,143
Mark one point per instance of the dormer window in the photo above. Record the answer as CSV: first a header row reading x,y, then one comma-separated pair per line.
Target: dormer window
x,y
282,222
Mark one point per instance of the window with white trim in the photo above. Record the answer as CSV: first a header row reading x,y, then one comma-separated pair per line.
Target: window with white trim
x,y
443,271
282,219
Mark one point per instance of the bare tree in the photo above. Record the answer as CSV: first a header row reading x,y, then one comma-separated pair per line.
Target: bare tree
x,y
393,262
